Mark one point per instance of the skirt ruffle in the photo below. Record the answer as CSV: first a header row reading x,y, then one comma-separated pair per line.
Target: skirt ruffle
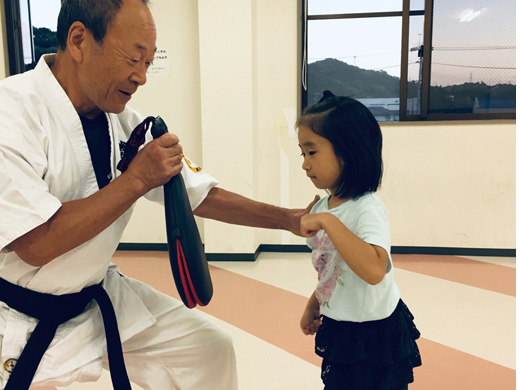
x,y
369,355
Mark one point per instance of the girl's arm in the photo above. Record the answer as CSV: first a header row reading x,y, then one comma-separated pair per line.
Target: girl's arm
x,y
311,321
366,260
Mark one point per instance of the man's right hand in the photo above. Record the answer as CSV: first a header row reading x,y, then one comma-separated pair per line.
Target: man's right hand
x,y
158,161
78,221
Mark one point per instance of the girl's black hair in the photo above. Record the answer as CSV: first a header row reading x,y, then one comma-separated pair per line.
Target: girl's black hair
x,y
95,15
356,138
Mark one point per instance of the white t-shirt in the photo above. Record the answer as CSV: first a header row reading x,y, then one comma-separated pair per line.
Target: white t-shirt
x,y
342,294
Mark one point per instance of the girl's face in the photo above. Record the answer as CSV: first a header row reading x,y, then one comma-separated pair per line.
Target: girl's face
x,y
319,160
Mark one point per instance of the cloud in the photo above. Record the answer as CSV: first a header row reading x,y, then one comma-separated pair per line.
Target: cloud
x,y
468,15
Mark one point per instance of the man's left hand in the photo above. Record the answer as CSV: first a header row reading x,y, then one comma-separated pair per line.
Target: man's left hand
x,y
296,215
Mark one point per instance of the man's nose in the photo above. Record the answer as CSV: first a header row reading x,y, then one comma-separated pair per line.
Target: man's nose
x,y
139,76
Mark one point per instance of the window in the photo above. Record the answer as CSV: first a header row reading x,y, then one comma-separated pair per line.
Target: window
x,y
31,31
413,59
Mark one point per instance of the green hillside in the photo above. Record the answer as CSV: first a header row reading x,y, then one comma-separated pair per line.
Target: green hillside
x,y
348,80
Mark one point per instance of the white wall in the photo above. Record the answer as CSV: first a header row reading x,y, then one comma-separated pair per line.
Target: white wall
x,y
451,184
231,94
228,88
174,94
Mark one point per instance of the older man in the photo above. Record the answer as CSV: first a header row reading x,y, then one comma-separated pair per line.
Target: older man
x,y
64,206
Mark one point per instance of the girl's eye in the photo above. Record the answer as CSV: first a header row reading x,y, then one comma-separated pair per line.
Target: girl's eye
x,y
312,153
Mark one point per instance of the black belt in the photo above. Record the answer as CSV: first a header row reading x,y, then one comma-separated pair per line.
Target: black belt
x,y
51,311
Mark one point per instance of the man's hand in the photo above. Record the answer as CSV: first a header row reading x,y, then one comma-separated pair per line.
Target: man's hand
x,y
80,220
296,216
158,161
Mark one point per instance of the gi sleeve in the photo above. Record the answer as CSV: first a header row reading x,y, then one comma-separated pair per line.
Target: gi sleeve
x,y
25,201
198,184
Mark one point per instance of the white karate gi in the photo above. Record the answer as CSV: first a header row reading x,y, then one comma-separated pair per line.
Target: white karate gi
x,y
45,161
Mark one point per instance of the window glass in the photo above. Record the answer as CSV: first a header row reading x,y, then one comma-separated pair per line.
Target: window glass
x,y
44,17
473,66
351,57
44,13
460,57
25,22
415,65
416,5
324,7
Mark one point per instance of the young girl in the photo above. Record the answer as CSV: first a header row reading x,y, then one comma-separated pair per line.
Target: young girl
x,y
364,332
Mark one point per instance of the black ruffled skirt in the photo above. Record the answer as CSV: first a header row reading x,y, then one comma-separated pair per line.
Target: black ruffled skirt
x,y
373,355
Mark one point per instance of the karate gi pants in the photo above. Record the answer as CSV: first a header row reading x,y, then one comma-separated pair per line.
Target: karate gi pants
x,y
183,350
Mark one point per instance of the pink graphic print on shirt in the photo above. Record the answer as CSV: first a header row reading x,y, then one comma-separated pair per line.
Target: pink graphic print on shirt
x,y
325,261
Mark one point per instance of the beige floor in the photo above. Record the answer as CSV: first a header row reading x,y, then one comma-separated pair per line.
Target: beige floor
x,y
464,307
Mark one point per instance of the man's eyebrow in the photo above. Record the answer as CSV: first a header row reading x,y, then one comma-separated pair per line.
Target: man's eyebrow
x,y
141,47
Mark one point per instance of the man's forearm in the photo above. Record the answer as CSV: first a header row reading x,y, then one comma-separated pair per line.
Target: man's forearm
x,y
80,220
230,207
77,222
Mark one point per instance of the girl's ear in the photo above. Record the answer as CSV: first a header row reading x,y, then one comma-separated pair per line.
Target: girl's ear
x,y
77,40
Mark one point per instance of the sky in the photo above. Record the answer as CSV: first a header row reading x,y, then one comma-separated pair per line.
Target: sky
x,y
375,43
353,41
44,13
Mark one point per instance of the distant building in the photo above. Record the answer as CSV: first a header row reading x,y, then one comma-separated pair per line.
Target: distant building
x,y
491,106
383,109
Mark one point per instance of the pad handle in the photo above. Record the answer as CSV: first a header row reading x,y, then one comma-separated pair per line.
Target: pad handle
x,y
159,127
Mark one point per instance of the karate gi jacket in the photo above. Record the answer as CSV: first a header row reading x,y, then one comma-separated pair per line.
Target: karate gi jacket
x,y
44,162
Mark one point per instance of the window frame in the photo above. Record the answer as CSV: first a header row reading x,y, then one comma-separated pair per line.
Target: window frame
x,y
13,24
405,15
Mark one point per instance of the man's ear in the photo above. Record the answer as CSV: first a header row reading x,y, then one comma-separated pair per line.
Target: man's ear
x,y
77,40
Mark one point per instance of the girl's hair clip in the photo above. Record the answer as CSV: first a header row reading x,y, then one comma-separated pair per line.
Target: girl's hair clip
x,y
327,94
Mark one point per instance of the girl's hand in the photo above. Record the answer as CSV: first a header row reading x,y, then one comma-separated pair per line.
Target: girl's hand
x,y
311,224
310,321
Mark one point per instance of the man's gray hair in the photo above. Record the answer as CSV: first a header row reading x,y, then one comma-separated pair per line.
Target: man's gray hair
x,y
96,15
